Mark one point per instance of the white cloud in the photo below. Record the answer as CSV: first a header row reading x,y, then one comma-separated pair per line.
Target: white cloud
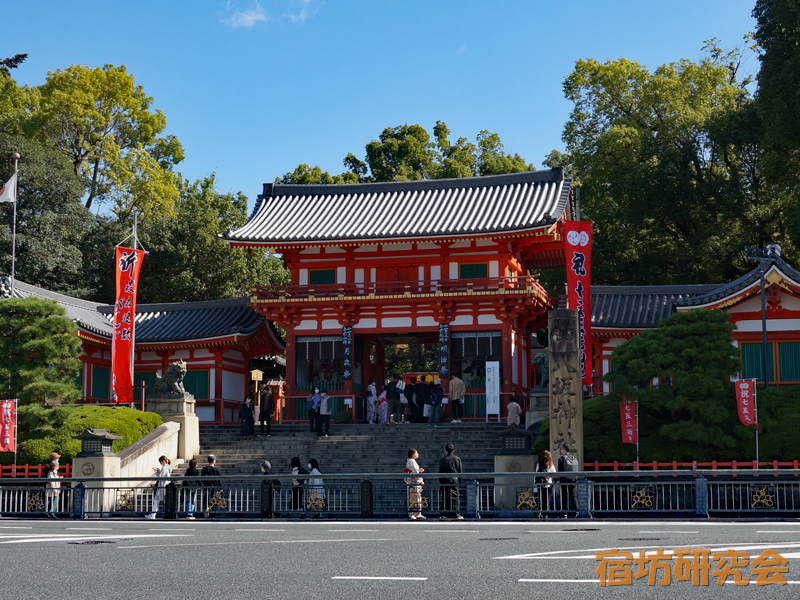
x,y
247,18
304,13
461,50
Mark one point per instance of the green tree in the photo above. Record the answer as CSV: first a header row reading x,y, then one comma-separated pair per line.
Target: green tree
x,y
690,413
13,62
51,219
407,152
189,262
39,350
103,123
670,168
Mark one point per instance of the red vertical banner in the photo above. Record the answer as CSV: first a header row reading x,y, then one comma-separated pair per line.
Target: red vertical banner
x,y
630,422
578,238
8,425
127,265
745,400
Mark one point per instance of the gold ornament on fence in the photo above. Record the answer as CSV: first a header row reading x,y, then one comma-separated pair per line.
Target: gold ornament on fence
x,y
36,501
763,498
527,499
315,501
642,498
125,502
218,501
417,501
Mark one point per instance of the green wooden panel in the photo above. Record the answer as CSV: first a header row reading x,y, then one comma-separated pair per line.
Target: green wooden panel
x,y
149,378
789,361
322,276
100,382
753,364
479,271
196,383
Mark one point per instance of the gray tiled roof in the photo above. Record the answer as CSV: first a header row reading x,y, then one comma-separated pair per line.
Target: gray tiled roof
x,y
639,306
742,283
155,323
405,209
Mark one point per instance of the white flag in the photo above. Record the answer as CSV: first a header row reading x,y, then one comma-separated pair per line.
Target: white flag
x,y
7,191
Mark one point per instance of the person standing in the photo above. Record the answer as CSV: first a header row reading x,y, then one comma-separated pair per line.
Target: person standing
x,y
423,394
247,418
265,413
414,486
324,414
567,463
372,402
266,471
383,408
316,488
297,487
191,488
393,396
450,463
545,465
514,412
437,395
312,404
212,486
53,489
162,474
457,392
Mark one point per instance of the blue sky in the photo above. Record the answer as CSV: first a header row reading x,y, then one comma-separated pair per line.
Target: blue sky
x,y
254,88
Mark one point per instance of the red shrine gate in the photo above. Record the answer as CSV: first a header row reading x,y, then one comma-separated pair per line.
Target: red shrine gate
x,y
443,261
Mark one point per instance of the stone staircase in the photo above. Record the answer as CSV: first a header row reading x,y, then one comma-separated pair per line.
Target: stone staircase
x,y
351,448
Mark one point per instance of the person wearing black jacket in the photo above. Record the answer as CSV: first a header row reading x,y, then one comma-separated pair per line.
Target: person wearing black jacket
x,y
191,485
265,413
393,396
213,487
247,418
450,463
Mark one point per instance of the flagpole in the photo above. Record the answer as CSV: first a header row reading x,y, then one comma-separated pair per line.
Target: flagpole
x,y
755,408
133,316
637,433
16,429
14,229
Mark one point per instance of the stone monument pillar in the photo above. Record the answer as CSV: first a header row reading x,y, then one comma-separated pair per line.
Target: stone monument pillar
x,y
97,459
174,403
566,391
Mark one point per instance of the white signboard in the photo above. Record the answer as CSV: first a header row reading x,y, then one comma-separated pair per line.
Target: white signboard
x,y
492,389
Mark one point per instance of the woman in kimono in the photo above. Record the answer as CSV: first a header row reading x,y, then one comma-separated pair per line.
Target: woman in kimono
x,y
316,487
372,402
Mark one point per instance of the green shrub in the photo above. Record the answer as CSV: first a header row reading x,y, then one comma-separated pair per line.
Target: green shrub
x,y
342,417
44,430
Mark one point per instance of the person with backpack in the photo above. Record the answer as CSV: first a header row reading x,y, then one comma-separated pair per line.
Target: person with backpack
x,y
567,464
191,488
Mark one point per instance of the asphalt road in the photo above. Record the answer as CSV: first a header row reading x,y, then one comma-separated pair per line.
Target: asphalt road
x,y
147,560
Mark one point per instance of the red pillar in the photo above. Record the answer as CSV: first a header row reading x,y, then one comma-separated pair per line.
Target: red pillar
x,y
291,374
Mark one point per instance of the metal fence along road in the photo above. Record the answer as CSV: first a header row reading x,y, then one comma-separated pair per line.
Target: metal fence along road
x,y
638,495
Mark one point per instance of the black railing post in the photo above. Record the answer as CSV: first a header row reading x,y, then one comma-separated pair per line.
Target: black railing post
x,y
170,501
701,497
472,499
266,499
77,501
366,499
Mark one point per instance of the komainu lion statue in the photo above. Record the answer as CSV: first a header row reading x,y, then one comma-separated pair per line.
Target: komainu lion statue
x,y
172,381
542,362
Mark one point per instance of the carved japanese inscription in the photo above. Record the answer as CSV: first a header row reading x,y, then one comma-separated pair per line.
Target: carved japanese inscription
x,y
566,393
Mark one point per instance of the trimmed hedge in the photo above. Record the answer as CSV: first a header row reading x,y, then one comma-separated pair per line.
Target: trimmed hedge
x,y
779,432
43,430
343,417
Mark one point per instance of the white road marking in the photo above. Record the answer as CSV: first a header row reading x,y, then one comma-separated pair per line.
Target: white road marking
x,y
775,531
668,532
89,529
386,578
597,581
82,538
253,542
12,527
713,547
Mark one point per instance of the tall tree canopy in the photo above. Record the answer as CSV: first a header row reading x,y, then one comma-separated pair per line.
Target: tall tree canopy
x,y
39,350
407,152
670,168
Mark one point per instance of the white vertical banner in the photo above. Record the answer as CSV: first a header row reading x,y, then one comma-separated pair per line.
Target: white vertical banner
x,y
492,388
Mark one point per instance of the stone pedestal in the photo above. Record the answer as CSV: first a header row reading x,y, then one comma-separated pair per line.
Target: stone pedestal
x,y
97,459
179,408
505,492
566,390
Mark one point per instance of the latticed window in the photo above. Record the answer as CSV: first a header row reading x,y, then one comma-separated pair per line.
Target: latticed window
x,y
322,276
473,271
196,383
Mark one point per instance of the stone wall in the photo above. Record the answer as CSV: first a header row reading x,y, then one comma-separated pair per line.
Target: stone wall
x,y
138,460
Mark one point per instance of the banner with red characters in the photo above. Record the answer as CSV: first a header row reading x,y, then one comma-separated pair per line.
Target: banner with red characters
x,y
629,419
745,400
127,265
8,425
578,239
